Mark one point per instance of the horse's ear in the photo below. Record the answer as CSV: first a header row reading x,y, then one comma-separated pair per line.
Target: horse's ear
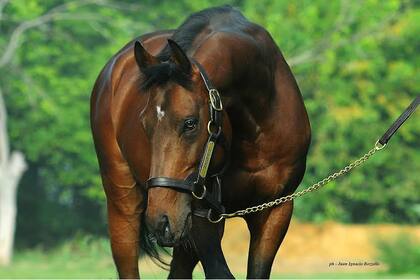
x,y
179,57
143,58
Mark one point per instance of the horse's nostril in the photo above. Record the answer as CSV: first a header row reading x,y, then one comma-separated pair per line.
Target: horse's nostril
x,y
167,232
165,228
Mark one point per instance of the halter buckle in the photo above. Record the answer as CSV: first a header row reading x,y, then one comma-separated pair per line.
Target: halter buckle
x,y
215,100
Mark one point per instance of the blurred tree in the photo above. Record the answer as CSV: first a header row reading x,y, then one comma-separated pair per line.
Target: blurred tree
x,y
356,65
12,166
34,22
355,61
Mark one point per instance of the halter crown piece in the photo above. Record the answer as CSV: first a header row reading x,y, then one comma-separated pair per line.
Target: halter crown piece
x,y
198,182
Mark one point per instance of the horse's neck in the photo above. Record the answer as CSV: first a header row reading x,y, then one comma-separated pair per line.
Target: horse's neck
x,y
247,108
248,93
248,71
245,90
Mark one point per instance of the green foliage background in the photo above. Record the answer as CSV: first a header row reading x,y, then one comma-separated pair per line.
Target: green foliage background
x,y
356,63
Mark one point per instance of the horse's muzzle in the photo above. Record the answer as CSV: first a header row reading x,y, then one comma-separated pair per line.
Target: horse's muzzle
x,y
164,235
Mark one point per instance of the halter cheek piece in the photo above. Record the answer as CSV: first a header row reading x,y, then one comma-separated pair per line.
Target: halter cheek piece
x,y
200,184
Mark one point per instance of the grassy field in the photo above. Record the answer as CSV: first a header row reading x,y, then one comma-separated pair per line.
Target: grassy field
x,y
303,255
71,262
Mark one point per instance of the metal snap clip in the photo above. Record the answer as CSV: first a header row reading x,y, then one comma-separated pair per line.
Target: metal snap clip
x,y
379,146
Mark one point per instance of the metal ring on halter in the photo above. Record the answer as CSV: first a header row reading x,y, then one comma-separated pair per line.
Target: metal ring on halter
x,y
203,194
213,221
219,129
379,146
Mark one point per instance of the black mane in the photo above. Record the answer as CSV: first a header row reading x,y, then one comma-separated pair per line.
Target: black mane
x,y
184,36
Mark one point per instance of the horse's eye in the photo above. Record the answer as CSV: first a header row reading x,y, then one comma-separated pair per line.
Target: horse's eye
x,y
190,124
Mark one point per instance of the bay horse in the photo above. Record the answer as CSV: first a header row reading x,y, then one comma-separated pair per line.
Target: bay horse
x,y
192,123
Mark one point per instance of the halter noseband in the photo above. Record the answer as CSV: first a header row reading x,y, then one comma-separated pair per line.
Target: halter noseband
x,y
196,183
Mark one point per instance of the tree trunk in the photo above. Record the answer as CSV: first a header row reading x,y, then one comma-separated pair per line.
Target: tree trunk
x,y
9,179
7,220
11,170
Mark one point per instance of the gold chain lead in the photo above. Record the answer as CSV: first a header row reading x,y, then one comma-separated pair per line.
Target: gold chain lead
x,y
378,146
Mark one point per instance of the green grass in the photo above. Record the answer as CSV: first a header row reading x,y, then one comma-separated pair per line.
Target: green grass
x,y
87,257
80,258
83,257
401,254
344,275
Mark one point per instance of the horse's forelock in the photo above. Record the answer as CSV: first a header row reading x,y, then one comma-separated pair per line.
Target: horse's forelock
x,y
163,73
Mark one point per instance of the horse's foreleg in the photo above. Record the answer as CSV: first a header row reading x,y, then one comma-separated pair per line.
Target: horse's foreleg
x,y
206,238
267,231
184,259
124,225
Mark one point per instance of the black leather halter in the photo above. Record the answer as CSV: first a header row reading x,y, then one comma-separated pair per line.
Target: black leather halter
x,y
200,184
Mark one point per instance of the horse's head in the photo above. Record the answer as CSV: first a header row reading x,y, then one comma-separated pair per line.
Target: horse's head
x,y
176,123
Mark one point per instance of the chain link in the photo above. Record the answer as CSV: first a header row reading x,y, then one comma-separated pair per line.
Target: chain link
x,y
378,146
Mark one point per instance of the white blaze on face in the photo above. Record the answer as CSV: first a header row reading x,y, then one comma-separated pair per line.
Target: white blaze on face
x,y
160,113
